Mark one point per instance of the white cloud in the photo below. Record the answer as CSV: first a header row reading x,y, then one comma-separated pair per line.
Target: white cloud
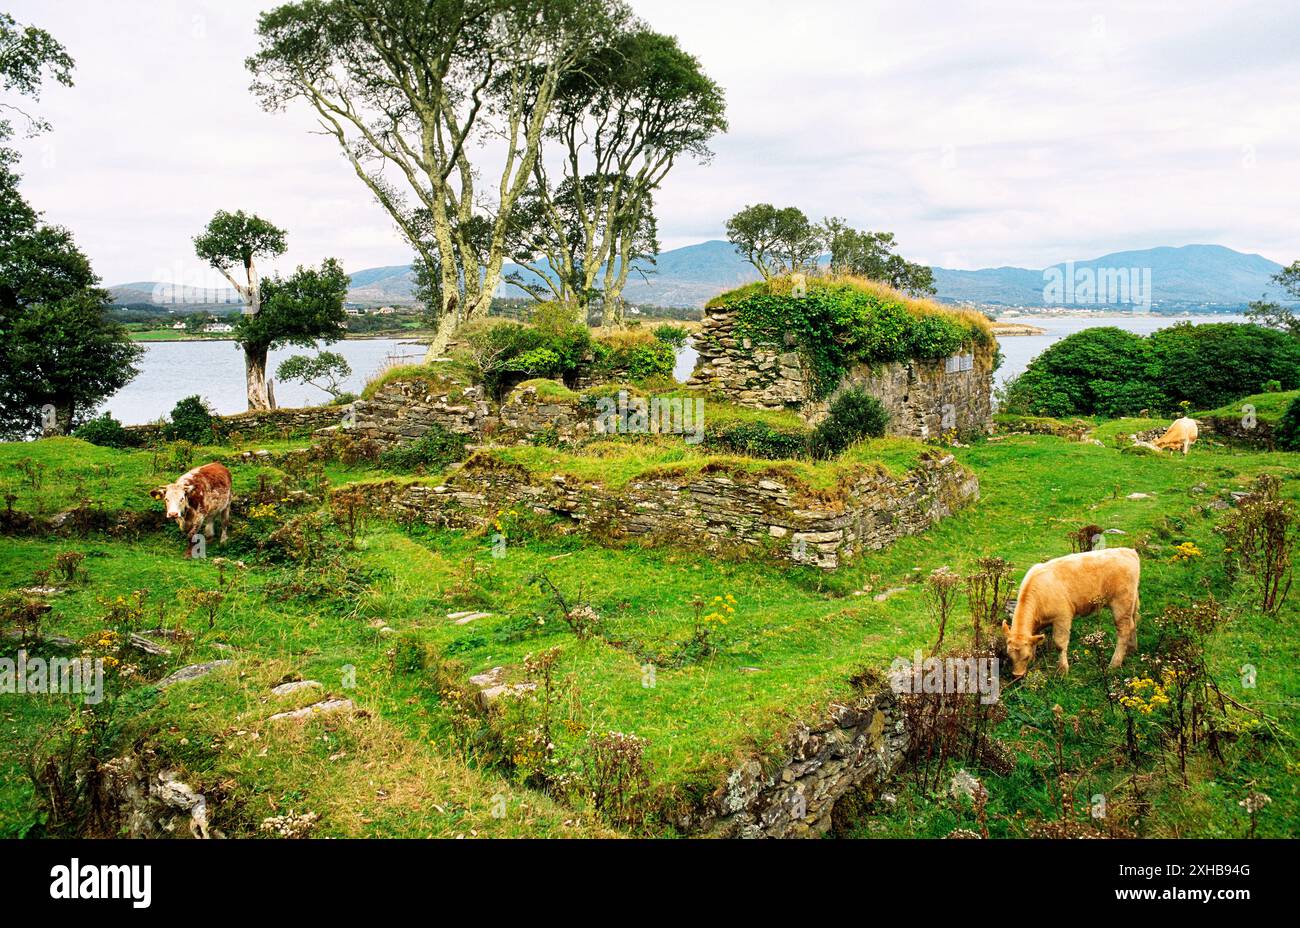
x,y
1021,134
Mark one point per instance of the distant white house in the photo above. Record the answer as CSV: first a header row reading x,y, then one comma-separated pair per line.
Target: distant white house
x,y
216,328
178,325
385,310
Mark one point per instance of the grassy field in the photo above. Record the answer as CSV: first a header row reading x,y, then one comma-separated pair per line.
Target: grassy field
x,y
705,660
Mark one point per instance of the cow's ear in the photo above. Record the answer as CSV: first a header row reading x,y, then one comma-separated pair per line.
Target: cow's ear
x,y
1006,629
158,492
1039,639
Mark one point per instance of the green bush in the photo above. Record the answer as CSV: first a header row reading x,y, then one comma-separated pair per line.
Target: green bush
x,y
628,356
510,352
1110,372
760,440
1213,364
1287,432
191,420
431,452
106,432
673,335
854,415
1103,371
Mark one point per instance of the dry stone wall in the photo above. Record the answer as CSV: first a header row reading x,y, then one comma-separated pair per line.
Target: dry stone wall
x,y
402,411
856,746
710,511
260,423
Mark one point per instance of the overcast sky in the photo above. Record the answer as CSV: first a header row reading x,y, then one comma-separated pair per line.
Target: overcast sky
x,y
982,133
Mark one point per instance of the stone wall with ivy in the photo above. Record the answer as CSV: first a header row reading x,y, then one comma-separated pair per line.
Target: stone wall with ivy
x,y
925,398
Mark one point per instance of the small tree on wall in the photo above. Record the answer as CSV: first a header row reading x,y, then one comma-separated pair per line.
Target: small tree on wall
x,y
774,240
237,240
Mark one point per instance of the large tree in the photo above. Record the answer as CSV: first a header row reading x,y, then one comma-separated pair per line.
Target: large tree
x,y
872,255
298,310
413,90
1275,315
238,240
59,350
775,241
622,118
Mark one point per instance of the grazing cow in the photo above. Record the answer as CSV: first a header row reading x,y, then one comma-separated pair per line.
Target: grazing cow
x,y
1180,435
1055,592
197,499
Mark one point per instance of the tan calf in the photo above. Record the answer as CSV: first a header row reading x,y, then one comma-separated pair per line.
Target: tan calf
x,y
1055,592
1179,435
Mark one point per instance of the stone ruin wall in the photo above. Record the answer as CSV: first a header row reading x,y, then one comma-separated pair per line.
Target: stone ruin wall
x,y
712,512
924,398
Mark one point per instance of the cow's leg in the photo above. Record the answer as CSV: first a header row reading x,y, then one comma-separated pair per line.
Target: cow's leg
x,y
225,522
1124,608
1061,638
208,529
1186,444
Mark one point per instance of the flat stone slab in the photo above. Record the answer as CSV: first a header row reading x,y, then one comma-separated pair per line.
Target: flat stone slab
x,y
324,707
492,686
464,618
293,686
192,672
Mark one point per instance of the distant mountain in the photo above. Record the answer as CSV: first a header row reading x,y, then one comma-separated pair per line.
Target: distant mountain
x,y
1190,275
1193,275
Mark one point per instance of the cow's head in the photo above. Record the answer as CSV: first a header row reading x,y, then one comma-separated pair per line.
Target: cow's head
x,y
1021,650
176,497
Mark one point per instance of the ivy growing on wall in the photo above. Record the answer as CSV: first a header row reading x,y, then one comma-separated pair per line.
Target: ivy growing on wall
x,y
838,322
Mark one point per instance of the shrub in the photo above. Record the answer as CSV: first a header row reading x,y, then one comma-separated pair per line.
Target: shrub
x,y
508,352
854,415
432,451
1109,372
673,335
760,440
1103,371
1213,364
1287,433
191,420
633,355
106,432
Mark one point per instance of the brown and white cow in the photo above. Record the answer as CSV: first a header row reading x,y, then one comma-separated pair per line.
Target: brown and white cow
x,y
1053,593
1179,435
199,498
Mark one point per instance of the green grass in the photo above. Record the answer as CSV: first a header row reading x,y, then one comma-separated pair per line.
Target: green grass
x,y
618,462
1269,407
550,390
55,474
796,637
449,376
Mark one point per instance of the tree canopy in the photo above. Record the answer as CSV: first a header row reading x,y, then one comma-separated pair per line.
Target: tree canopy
x,y
58,347
412,89
776,241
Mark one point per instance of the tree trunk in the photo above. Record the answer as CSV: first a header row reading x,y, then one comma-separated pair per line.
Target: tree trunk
x,y
260,395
